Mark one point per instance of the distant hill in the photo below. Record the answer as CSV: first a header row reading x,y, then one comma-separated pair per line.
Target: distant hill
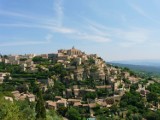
x,y
144,68
150,63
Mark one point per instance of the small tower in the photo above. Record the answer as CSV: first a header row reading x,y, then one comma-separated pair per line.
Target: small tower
x,y
73,47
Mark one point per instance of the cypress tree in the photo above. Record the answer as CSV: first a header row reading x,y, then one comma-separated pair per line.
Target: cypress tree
x,y
40,108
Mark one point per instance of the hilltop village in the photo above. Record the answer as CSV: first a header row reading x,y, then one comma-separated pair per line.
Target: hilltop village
x,y
72,79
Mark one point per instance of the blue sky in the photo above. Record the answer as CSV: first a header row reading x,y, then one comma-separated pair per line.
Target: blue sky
x,y
114,29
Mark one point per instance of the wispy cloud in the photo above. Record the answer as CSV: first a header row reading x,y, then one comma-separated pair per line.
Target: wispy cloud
x,y
89,30
55,25
133,36
58,7
124,37
92,33
91,37
47,40
140,11
51,28
19,43
15,14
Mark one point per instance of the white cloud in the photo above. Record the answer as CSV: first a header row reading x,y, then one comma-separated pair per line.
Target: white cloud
x,y
47,40
97,29
19,43
89,31
124,37
58,7
92,33
15,14
91,37
63,30
137,35
140,11
55,25
131,36
51,28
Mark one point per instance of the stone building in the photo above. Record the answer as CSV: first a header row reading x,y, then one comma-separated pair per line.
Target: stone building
x,y
1,59
51,105
2,76
74,51
61,103
53,56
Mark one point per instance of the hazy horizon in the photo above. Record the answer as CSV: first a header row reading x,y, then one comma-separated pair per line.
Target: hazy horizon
x,y
115,30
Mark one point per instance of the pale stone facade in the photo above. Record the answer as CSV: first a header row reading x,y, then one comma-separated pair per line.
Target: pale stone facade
x,y
2,76
74,51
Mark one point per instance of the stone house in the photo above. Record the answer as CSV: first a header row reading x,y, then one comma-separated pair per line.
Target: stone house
x,y
16,94
90,90
13,59
79,61
5,61
106,87
53,56
24,67
101,102
45,56
126,74
8,98
133,79
1,59
61,103
58,98
69,93
78,73
51,105
76,92
63,57
109,101
117,84
73,101
77,104
47,81
27,56
74,51
21,96
2,76
31,97
62,51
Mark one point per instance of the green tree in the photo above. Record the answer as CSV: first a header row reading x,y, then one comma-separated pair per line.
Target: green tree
x,y
52,115
62,111
9,111
152,97
152,115
73,114
38,59
114,108
27,109
40,108
90,95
